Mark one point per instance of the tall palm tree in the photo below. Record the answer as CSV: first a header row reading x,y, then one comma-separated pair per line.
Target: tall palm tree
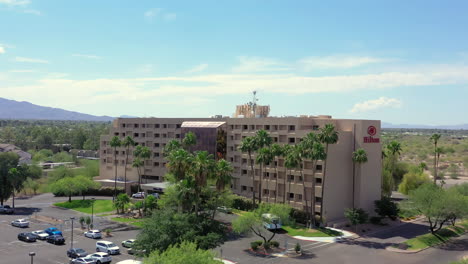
x,y
223,174
203,164
171,146
263,158
286,149
291,161
435,138
115,143
276,151
127,143
359,157
249,145
189,140
263,140
144,153
138,163
438,151
328,135
179,163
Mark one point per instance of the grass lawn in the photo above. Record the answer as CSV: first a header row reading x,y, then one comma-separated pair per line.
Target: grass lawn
x,y
131,221
305,232
84,206
443,235
238,212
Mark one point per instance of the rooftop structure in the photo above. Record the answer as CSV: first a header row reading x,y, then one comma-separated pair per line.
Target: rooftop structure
x,y
24,157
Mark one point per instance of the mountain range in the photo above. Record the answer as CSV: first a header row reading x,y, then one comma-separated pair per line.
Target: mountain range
x,y
11,109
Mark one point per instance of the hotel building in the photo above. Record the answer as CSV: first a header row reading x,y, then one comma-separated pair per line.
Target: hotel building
x,y
278,183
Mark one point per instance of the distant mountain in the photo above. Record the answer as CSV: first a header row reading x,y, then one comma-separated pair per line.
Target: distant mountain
x,y
10,109
454,127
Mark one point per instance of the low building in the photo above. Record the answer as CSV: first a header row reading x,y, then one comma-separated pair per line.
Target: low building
x,y
278,183
24,157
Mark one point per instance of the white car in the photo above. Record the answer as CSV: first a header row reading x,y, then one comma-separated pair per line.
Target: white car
x,y
139,195
107,246
129,261
20,223
40,234
82,261
100,257
93,234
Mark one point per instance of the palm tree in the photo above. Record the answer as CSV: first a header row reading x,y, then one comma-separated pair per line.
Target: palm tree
x,y
291,161
263,158
127,143
186,195
263,140
143,153
121,202
171,146
223,174
438,151
435,138
203,164
179,163
276,151
286,149
138,163
115,142
189,140
328,135
249,145
359,157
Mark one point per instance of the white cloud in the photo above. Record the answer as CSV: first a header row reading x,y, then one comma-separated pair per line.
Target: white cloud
x,y
87,56
15,2
152,13
30,60
33,11
2,50
337,62
170,16
258,64
382,102
198,68
21,71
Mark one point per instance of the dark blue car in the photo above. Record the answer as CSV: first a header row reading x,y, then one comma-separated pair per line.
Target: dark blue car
x,y
53,231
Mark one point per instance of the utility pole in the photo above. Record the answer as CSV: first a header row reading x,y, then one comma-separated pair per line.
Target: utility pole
x,y
72,219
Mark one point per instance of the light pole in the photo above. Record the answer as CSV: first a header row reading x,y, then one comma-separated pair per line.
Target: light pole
x,y
92,212
72,219
32,254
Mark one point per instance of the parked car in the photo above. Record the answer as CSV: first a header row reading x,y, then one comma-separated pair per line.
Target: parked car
x,y
128,243
53,231
93,234
107,246
6,209
40,234
138,195
20,223
76,253
100,257
224,209
129,261
27,237
132,251
271,221
83,261
56,240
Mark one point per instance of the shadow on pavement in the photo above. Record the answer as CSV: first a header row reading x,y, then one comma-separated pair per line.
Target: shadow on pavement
x,y
455,245
408,231
26,210
367,244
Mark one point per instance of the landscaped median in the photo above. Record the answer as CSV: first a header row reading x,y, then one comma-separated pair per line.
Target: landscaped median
x,y
130,221
308,232
429,240
86,206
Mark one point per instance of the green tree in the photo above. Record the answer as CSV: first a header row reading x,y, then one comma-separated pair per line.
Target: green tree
x,y
202,167
127,143
435,139
67,186
253,221
179,163
186,252
171,146
31,184
291,161
277,152
412,180
189,140
439,151
138,164
223,174
387,183
328,135
85,184
115,143
249,145
264,157
143,153
385,207
356,216
359,157
8,160
263,140
17,176
8,135
122,202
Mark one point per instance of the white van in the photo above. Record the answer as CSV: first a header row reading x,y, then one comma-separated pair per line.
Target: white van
x,y
108,247
271,221
129,261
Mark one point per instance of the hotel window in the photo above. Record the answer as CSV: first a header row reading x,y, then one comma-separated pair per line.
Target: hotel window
x,y
143,134
156,154
266,191
299,197
292,140
156,164
156,125
292,128
177,135
164,125
143,125
245,127
291,195
135,135
123,125
315,127
291,178
267,127
116,133
244,172
318,199
318,168
244,188
123,134
156,135
178,126
156,145
252,127
318,180
135,125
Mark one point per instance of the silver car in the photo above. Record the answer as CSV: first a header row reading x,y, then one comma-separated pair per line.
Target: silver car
x,y
83,261
93,234
40,234
20,223
100,257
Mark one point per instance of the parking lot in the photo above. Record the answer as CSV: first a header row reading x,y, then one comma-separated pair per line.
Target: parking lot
x,y
14,251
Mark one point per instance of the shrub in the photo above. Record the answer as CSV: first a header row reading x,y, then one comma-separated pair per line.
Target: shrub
x,y
299,216
255,244
375,220
386,207
274,243
243,204
267,245
297,248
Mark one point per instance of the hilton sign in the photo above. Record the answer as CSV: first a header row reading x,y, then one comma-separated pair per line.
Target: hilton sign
x,y
371,130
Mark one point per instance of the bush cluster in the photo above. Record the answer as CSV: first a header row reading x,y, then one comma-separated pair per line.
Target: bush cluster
x,y
104,191
243,204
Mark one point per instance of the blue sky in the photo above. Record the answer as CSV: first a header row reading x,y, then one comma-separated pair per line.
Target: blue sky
x,y
398,61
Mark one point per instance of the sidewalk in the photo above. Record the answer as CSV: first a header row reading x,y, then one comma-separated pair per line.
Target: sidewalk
x,y
346,234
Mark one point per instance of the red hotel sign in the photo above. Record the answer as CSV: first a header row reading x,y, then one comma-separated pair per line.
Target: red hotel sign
x,y
371,130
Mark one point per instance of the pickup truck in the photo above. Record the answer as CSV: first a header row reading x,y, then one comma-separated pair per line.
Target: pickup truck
x,y
6,209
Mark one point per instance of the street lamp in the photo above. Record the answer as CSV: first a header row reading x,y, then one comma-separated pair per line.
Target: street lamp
x,y
32,254
92,212
72,219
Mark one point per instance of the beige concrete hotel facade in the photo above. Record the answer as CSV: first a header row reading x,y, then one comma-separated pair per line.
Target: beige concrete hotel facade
x,y
353,134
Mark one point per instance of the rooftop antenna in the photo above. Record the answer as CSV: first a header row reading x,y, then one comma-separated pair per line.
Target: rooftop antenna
x,y
254,103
